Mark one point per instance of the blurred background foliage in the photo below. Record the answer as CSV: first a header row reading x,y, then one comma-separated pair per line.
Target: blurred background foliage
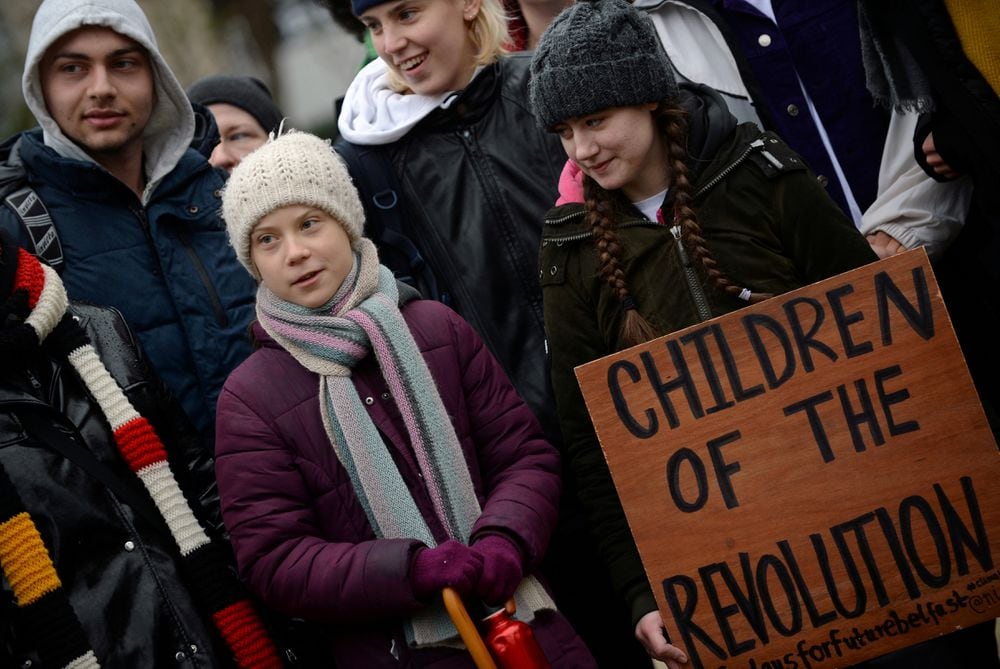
x,y
306,51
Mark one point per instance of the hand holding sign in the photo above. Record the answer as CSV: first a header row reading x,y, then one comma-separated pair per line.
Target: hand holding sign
x,y
649,631
825,459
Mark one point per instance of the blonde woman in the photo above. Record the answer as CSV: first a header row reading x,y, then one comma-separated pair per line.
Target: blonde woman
x,y
444,113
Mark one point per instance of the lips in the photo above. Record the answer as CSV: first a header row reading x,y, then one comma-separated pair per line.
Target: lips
x,y
305,278
599,167
103,117
411,63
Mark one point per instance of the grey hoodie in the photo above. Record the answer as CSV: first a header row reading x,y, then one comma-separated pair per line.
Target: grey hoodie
x,y
171,126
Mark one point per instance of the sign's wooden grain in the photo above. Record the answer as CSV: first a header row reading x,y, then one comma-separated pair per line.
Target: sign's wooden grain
x,y
810,481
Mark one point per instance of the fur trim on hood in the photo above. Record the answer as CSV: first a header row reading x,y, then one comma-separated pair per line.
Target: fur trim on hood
x,y
171,126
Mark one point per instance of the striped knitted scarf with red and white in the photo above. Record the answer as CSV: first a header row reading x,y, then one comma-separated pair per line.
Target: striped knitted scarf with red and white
x,y
33,313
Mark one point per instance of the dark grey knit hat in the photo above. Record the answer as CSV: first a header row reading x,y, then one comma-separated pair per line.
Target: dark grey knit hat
x,y
595,55
248,93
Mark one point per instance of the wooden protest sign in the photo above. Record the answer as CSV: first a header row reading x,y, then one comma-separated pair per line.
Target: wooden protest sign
x,y
810,481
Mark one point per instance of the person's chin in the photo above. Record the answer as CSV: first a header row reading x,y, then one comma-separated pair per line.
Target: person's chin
x,y
425,87
609,183
102,142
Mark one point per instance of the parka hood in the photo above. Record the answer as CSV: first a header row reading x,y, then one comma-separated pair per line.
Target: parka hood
x,y
171,125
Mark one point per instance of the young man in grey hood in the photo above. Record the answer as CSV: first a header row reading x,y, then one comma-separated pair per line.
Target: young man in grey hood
x,y
134,209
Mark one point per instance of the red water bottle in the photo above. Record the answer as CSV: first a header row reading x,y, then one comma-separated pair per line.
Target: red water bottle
x,y
512,643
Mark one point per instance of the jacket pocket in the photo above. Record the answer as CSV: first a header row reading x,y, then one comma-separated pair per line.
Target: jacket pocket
x,y
552,262
11,430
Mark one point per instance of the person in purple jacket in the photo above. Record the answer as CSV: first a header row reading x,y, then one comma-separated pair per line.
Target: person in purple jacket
x,y
372,452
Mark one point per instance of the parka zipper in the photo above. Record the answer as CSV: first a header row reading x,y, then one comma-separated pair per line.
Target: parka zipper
x,y
694,286
690,275
585,235
758,145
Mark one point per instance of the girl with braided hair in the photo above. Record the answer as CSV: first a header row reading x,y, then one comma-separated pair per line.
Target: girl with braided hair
x,y
670,214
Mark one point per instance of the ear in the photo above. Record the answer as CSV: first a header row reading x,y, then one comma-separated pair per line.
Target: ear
x,y
470,9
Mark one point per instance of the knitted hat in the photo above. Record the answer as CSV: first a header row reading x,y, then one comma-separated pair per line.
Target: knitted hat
x,y
596,55
294,168
359,7
248,93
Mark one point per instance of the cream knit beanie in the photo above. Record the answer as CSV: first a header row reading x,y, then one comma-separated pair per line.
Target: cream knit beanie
x,y
293,168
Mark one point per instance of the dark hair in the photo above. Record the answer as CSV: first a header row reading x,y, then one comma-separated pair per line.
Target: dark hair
x,y
603,207
340,11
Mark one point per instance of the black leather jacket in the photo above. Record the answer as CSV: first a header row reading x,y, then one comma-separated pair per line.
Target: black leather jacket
x,y
477,179
118,567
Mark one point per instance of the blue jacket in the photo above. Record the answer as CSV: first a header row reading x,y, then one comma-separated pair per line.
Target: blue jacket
x,y
167,266
818,42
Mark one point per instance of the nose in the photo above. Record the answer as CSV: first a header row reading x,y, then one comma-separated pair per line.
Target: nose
x,y
393,39
295,250
584,146
223,157
101,85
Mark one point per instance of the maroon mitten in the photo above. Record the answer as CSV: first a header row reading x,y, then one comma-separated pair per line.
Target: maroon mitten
x,y
502,568
451,564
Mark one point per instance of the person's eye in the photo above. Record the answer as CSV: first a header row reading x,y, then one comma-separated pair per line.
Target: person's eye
x,y
125,64
264,240
594,122
70,68
407,14
309,223
374,27
565,132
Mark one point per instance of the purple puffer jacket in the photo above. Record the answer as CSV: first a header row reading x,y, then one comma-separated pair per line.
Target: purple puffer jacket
x,y
301,537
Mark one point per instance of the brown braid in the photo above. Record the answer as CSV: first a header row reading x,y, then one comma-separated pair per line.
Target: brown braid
x,y
600,218
673,125
601,215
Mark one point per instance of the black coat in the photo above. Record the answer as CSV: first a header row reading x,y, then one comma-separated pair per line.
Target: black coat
x,y
966,127
119,567
476,180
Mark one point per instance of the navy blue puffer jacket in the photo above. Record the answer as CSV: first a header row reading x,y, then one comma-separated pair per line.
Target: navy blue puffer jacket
x,y
167,266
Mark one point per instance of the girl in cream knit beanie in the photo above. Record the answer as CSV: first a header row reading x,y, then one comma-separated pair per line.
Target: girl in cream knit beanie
x,y
293,168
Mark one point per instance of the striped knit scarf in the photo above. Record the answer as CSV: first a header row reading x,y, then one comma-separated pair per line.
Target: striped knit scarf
x,y
894,78
34,313
331,340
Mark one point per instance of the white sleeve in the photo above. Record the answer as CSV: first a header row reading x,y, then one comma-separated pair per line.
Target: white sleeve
x,y
698,52
912,207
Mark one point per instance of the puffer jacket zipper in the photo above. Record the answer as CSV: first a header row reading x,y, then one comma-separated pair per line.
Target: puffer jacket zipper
x,y
221,317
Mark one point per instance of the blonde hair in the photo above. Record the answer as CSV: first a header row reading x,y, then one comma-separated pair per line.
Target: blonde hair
x,y
488,32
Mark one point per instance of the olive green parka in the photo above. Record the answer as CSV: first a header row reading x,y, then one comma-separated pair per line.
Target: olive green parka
x,y
771,227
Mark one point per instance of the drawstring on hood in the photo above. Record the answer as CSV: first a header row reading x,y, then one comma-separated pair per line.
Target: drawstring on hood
x,y
171,126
